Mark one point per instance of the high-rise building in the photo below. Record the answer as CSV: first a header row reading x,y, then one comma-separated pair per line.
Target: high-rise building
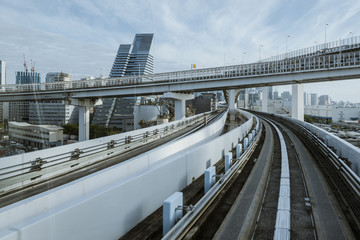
x,y
270,91
54,112
121,61
324,100
314,99
4,106
285,95
305,99
2,72
130,60
19,111
27,77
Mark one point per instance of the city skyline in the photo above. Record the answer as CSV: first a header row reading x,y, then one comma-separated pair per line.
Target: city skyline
x,y
82,37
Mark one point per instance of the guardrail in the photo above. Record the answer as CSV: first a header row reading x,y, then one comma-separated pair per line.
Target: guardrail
x,y
339,45
30,170
332,58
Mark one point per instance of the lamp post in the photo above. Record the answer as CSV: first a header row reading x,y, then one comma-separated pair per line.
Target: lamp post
x,y
351,34
242,61
325,31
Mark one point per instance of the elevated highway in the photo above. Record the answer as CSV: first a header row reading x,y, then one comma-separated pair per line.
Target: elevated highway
x,y
335,61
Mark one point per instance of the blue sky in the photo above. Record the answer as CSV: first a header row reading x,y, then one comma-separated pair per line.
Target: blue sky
x,y
82,37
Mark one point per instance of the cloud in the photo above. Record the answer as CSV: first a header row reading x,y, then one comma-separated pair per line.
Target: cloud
x,y
82,36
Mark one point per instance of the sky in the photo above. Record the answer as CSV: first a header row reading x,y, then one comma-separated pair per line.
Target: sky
x,y
82,37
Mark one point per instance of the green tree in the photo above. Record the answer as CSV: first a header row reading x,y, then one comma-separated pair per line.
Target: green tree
x,y
308,119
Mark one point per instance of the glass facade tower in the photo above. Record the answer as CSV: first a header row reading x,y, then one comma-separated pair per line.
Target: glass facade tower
x,y
131,60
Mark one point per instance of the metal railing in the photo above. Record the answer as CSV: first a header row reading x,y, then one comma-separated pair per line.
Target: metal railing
x,y
25,173
339,45
342,56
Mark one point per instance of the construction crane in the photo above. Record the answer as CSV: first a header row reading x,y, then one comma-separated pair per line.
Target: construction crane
x,y
25,65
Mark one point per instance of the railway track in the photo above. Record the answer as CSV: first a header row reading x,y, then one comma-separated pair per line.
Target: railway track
x,y
31,173
310,213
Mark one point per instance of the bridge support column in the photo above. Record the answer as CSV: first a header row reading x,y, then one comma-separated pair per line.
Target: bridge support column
x,y
84,123
180,103
265,95
84,116
231,96
297,109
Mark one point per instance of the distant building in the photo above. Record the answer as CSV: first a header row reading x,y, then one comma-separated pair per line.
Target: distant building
x,y
306,102
2,72
324,100
40,136
334,113
27,77
4,106
276,95
19,111
313,99
54,112
130,60
285,95
270,91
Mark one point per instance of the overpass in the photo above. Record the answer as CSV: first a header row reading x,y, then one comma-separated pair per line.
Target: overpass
x,y
339,60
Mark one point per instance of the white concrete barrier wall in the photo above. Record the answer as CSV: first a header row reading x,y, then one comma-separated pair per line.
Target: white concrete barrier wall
x,y
342,147
88,208
31,156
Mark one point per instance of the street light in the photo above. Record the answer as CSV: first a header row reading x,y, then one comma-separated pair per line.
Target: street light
x,y
287,36
260,46
242,61
325,31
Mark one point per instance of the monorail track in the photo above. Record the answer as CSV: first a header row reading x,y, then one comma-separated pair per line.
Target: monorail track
x,y
13,195
234,213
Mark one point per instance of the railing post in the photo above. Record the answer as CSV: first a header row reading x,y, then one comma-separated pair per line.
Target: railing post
x,y
228,161
209,178
170,214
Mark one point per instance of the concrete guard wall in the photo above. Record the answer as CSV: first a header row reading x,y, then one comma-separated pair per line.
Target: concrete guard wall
x,y
342,147
45,153
107,204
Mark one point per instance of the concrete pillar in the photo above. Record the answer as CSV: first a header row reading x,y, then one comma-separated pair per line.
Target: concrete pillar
x,y
265,95
84,123
84,115
180,103
170,214
297,110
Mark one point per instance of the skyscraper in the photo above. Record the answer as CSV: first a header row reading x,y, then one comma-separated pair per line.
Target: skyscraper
x,y
324,100
131,60
2,72
4,106
121,61
314,99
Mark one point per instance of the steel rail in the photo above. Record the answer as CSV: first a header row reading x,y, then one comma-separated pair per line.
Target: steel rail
x,y
41,167
190,218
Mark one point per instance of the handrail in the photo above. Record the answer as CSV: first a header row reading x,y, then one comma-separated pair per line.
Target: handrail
x,y
15,173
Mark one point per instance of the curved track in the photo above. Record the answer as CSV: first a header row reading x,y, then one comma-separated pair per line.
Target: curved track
x,y
17,194
257,209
